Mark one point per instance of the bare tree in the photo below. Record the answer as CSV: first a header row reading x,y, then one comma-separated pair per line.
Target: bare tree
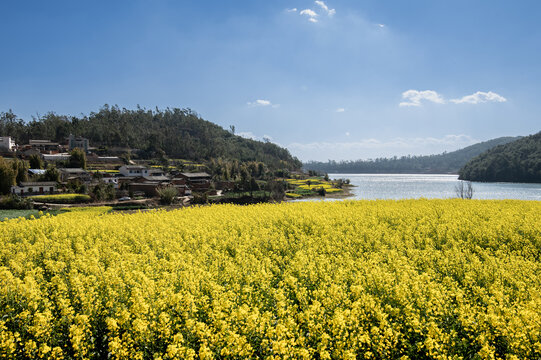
x,y
464,190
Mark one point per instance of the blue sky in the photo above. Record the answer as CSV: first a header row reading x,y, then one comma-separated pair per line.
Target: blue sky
x,y
327,79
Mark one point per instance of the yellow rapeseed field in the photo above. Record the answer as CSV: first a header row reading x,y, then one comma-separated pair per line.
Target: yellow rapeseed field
x,y
412,279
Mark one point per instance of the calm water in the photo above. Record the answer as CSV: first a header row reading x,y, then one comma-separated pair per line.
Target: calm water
x,y
412,186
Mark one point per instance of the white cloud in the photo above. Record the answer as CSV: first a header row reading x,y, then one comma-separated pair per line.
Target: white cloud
x,y
415,97
312,15
347,133
373,148
325,8
381,25
308,12
340,110
260,102
291,10
479,97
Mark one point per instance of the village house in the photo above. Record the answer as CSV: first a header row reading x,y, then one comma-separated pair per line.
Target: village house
x,y
34,188
124,181
139,170
156,175
74,174
55,157
199,181
106,160
77,142
43,146
111,180
133,170
149,188
7,144
183,190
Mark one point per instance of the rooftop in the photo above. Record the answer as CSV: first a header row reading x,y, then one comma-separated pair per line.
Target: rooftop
x,y
195,175
38,183
134,167
156,178
73,170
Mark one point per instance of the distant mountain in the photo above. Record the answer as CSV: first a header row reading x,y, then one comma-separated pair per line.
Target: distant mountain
x,y
179,133
517,161
446,163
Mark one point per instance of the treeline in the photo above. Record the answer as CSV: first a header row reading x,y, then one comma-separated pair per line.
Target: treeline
x,y
178,133
430,164
518,161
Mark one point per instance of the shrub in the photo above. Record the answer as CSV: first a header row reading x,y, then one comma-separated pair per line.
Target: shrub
x,y
167,194
15,202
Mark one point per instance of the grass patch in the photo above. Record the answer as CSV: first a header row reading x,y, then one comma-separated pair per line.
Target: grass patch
x,y
13,214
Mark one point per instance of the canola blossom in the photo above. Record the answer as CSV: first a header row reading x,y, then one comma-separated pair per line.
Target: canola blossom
x,y
310,187
409,279
61,198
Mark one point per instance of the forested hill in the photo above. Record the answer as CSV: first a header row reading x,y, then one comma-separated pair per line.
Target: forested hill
x,y
180,133
517,161
446,163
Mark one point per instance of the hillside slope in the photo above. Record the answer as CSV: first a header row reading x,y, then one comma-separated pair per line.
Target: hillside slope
x,y
517,161
442,163
180,133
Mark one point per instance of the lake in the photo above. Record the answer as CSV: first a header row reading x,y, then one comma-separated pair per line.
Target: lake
x,y
431,186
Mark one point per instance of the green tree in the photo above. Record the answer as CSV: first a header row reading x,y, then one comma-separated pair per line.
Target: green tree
x,y
7,177
35,162
20,168
51,174
77,159
103,191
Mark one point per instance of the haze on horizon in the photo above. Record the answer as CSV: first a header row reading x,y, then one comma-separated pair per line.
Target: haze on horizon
x,y
340,80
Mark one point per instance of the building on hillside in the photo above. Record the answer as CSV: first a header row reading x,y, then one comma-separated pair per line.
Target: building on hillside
x,y
147,187
155,172
77,142
199,181
178,181
55,157
124,181
43,146
156,175
74,174
111,180
34,188
109,160
225,185
7,144
133,170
